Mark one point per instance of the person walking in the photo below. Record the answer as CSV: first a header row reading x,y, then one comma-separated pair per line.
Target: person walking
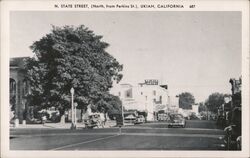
x,y
102,119
44,118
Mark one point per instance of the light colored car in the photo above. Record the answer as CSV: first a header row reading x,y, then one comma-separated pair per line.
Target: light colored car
x,y
177,120
140,119
130,119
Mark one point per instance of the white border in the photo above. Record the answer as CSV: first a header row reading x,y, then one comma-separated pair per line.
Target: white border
x,y
39,5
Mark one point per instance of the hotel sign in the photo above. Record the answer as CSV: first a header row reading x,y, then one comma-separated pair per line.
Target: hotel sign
x,y
151,82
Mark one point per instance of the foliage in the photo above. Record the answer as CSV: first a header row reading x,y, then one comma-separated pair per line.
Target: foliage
x,y
186,100
109,104
202,107
214,101
71,57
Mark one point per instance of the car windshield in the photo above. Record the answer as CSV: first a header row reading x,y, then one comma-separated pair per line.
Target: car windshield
x,y
177,116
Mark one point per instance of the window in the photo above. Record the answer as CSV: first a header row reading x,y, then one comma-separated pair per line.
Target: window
x,y
154,92
160,99
128,93
12,86
25,88
119,94
141,93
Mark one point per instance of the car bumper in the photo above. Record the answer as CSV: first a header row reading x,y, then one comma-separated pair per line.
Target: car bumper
x,y
176,124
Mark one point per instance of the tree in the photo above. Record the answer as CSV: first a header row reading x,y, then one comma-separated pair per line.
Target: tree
x,y
186,100
202,107
114,105
214,101
71,57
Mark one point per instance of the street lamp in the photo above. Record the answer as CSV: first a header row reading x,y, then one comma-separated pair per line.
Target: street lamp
x,y
122,116
121,123
75,119
207,111
72,109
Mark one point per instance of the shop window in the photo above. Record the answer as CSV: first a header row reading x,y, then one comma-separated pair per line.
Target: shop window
x,y
160,99
154,92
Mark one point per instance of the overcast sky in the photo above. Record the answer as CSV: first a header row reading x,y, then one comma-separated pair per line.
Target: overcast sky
x,y
197,52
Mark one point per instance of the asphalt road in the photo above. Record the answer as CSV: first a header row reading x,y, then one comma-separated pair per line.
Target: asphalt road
x,y
198,135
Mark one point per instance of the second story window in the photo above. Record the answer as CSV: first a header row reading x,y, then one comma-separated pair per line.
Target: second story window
x,y
128,93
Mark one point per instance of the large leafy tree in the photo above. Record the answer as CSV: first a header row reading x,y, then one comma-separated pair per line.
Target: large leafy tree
x,y
71,57
202,107
215,100
186,100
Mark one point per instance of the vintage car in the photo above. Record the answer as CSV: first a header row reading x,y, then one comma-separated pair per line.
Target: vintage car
x,y
93,120
131,119
177,120
140,119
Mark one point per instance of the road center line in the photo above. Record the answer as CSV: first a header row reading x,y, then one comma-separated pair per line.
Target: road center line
x,y
60,134
174,135
89,141
193,129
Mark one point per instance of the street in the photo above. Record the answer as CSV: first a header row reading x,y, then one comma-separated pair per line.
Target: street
x,y
197,135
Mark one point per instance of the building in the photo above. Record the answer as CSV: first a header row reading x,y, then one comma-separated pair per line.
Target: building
x,y
195,109
189,112
19,88
149,97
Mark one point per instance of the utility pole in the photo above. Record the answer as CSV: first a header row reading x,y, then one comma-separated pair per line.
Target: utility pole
x,y
72,109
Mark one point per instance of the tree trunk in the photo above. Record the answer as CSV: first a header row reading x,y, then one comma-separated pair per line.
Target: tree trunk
x,y
62,120
81,114
62,116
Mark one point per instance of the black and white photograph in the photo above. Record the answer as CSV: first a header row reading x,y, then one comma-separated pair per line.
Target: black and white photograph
x,y
126,80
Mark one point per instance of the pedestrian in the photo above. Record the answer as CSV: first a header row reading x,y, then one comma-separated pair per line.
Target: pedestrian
x,y
44,118
102,119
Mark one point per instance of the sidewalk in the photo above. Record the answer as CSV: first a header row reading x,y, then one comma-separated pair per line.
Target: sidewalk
x,y
59,125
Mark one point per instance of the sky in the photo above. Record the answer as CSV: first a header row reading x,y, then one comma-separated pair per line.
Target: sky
x,y
196,52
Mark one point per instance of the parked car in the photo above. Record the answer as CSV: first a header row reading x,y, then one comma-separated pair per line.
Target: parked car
x,y
193,116
163,117
140,119
233,131
177,120
92,121
130,119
